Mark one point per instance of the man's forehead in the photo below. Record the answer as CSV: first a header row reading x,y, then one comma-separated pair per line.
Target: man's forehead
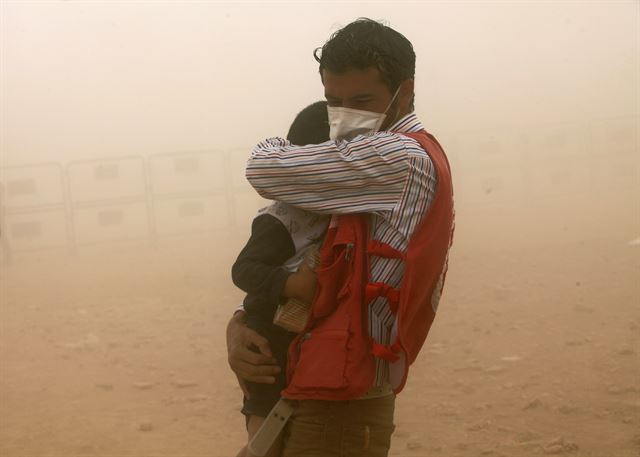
x,y
353,82
352,95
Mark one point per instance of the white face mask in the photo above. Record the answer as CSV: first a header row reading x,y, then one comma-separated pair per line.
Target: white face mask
x,y
347,123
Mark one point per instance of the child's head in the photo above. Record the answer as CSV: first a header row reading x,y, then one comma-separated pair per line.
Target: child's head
x,y
311,125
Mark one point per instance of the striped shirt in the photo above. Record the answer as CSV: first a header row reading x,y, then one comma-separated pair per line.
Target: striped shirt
x,y
386,174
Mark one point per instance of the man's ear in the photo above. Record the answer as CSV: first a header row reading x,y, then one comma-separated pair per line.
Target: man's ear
x,y
406,95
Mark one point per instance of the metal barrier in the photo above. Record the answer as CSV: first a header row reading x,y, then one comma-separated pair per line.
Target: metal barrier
x,y
108,200
189,192
45,206
34,211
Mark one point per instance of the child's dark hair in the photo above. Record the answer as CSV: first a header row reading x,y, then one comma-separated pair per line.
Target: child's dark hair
x,y
367,43
311,125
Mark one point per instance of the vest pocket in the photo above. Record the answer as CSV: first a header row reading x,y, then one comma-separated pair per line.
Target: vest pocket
x,y
323,358
330,282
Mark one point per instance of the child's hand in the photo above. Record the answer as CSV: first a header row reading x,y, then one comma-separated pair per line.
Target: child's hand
x,y
308,283
301,284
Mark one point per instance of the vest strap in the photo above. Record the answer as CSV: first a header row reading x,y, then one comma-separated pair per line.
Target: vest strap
x,y
380,249
388,352
379,289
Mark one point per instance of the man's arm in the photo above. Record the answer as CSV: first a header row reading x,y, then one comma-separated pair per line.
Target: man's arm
x,y
366,174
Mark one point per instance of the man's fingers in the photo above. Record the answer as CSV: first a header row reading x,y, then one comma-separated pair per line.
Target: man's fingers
x,y
243,355
248,371
255,373
259,341
265,350
253,377
260,367
262,379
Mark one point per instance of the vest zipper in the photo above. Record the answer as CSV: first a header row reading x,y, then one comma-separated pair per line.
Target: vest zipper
x,y
348,249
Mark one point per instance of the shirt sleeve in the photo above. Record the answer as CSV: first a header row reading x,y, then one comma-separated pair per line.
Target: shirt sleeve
x,y
258,269
365,174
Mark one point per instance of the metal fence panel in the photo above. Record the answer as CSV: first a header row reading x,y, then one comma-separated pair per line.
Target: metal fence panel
x,y
189,172
110,222
32,186
106,179
30,231
191,214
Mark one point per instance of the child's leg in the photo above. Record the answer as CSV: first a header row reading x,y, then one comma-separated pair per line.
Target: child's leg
x,y
264,396
254,424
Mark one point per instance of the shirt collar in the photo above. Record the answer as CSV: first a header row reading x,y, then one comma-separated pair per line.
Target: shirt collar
x,y
408,124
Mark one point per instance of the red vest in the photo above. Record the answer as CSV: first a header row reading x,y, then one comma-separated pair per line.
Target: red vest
x,y
334,357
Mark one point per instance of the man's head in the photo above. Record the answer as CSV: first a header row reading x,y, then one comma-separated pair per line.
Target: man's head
x,y
310,125
363,64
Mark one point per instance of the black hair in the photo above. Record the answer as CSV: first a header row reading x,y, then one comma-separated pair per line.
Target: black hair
x,y
367,43
311,125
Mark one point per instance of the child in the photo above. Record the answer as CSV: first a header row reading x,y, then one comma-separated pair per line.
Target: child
x,y
281,236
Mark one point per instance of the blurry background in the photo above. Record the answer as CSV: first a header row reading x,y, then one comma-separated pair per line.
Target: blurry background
x,y
124,129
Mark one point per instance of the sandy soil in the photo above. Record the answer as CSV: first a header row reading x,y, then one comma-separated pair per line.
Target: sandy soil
x,y
119,351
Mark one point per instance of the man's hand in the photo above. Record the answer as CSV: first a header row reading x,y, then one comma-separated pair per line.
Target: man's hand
x,y
246,364
301,284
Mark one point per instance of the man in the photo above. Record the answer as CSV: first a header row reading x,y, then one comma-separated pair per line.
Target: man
x,y
382,185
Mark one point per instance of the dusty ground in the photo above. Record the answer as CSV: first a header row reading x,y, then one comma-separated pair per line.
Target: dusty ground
x,y
120,351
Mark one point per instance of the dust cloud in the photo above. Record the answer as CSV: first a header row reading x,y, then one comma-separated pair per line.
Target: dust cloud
x,y
124,131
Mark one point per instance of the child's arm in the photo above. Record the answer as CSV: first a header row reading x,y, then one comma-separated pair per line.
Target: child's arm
x,y
258,269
